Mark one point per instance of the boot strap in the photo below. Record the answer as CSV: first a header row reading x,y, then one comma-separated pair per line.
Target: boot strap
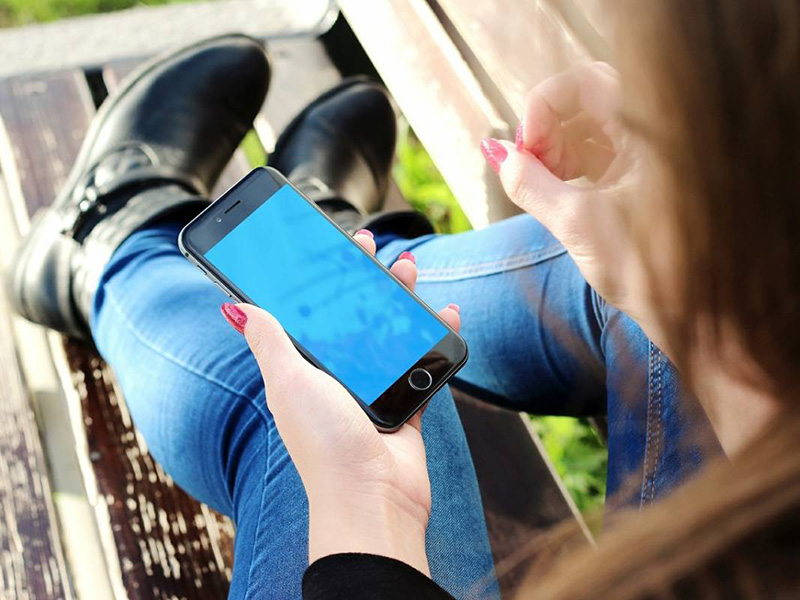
x,y
94,196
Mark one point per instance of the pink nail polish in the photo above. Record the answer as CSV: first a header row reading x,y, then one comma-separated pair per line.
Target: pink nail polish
x,y
234,315
365,232
407,256
520,143
454,307
494,152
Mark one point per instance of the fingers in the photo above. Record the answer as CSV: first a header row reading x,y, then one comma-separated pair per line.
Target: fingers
x,y
535,189
583,127
367,241
275,353
593,159
591,87
452,316
405,269
589,90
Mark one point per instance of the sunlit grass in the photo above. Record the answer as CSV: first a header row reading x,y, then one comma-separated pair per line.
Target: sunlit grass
x,y
422,185
23,12
253,150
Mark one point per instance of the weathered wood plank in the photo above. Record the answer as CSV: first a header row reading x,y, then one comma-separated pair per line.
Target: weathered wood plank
x,y
510,46
32,562
522,499
301,70
94,40
438,94
591,21
167,544
163,544
50,112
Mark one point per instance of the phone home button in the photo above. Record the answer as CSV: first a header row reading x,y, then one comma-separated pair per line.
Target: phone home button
x,y
420,379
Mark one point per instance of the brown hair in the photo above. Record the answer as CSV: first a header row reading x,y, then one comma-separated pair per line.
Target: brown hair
x,y
723,78
732,533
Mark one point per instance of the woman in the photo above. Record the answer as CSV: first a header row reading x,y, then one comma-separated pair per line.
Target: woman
x,y
690,229
707,123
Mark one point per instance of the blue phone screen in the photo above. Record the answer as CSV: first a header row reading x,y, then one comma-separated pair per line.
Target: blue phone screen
x,y
359,323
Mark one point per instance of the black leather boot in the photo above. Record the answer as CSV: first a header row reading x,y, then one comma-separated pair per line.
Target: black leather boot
x,y
154,150
338,151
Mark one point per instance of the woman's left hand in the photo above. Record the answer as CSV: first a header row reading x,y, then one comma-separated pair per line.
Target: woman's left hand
x,y
367,491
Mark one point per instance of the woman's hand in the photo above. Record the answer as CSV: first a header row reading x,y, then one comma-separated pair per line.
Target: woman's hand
x,y
367,491
570,129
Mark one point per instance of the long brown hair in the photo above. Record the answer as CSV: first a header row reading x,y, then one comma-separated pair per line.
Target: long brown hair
x,y
723,80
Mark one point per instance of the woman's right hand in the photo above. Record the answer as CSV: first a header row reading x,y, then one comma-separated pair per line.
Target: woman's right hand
x,y
570,130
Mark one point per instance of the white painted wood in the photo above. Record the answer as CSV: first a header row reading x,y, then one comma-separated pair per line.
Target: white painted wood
x,y
79,535
438,94
144,31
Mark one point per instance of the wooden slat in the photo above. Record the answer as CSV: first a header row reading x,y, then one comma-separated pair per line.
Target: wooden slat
x,y
51,113
147,29
162,543
510,46
32,562
521,491
167,544
301,70
591,21
437,93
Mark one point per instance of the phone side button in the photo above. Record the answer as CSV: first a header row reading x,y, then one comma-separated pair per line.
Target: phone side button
x,y
420,379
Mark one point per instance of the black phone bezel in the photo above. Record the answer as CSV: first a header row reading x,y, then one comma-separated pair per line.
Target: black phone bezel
x,y
400,401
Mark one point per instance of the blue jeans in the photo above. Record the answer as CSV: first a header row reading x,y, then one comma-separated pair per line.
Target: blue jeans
x,y
540,341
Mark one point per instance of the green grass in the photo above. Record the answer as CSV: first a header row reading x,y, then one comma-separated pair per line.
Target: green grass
x,y
573,446
579,456
22,12
422,185
253,149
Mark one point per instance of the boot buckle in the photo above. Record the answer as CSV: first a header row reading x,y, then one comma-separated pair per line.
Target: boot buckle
x,y
77,216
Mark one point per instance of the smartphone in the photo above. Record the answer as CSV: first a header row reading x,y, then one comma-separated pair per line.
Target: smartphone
x,y
264,243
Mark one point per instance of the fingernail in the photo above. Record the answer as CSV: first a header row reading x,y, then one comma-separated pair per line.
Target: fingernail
x,y
494,152
407,256
518,137
365,232
454,307
234,315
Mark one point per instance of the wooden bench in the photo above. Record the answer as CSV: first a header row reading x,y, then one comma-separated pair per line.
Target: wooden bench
x,y
449,66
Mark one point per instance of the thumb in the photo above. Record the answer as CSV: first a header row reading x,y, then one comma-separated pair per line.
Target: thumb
x,y
274,351
533,187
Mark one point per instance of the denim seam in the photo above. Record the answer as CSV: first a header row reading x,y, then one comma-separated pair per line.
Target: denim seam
x,y
174,360
511,263
653,439
261,521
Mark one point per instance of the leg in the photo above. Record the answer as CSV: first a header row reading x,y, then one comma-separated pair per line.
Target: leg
x,y
197,396
531,322
542,341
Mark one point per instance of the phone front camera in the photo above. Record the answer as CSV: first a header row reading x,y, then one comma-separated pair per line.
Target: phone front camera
x,y
219,219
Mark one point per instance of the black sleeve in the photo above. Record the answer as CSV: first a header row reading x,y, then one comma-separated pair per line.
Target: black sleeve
x,y
362,576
